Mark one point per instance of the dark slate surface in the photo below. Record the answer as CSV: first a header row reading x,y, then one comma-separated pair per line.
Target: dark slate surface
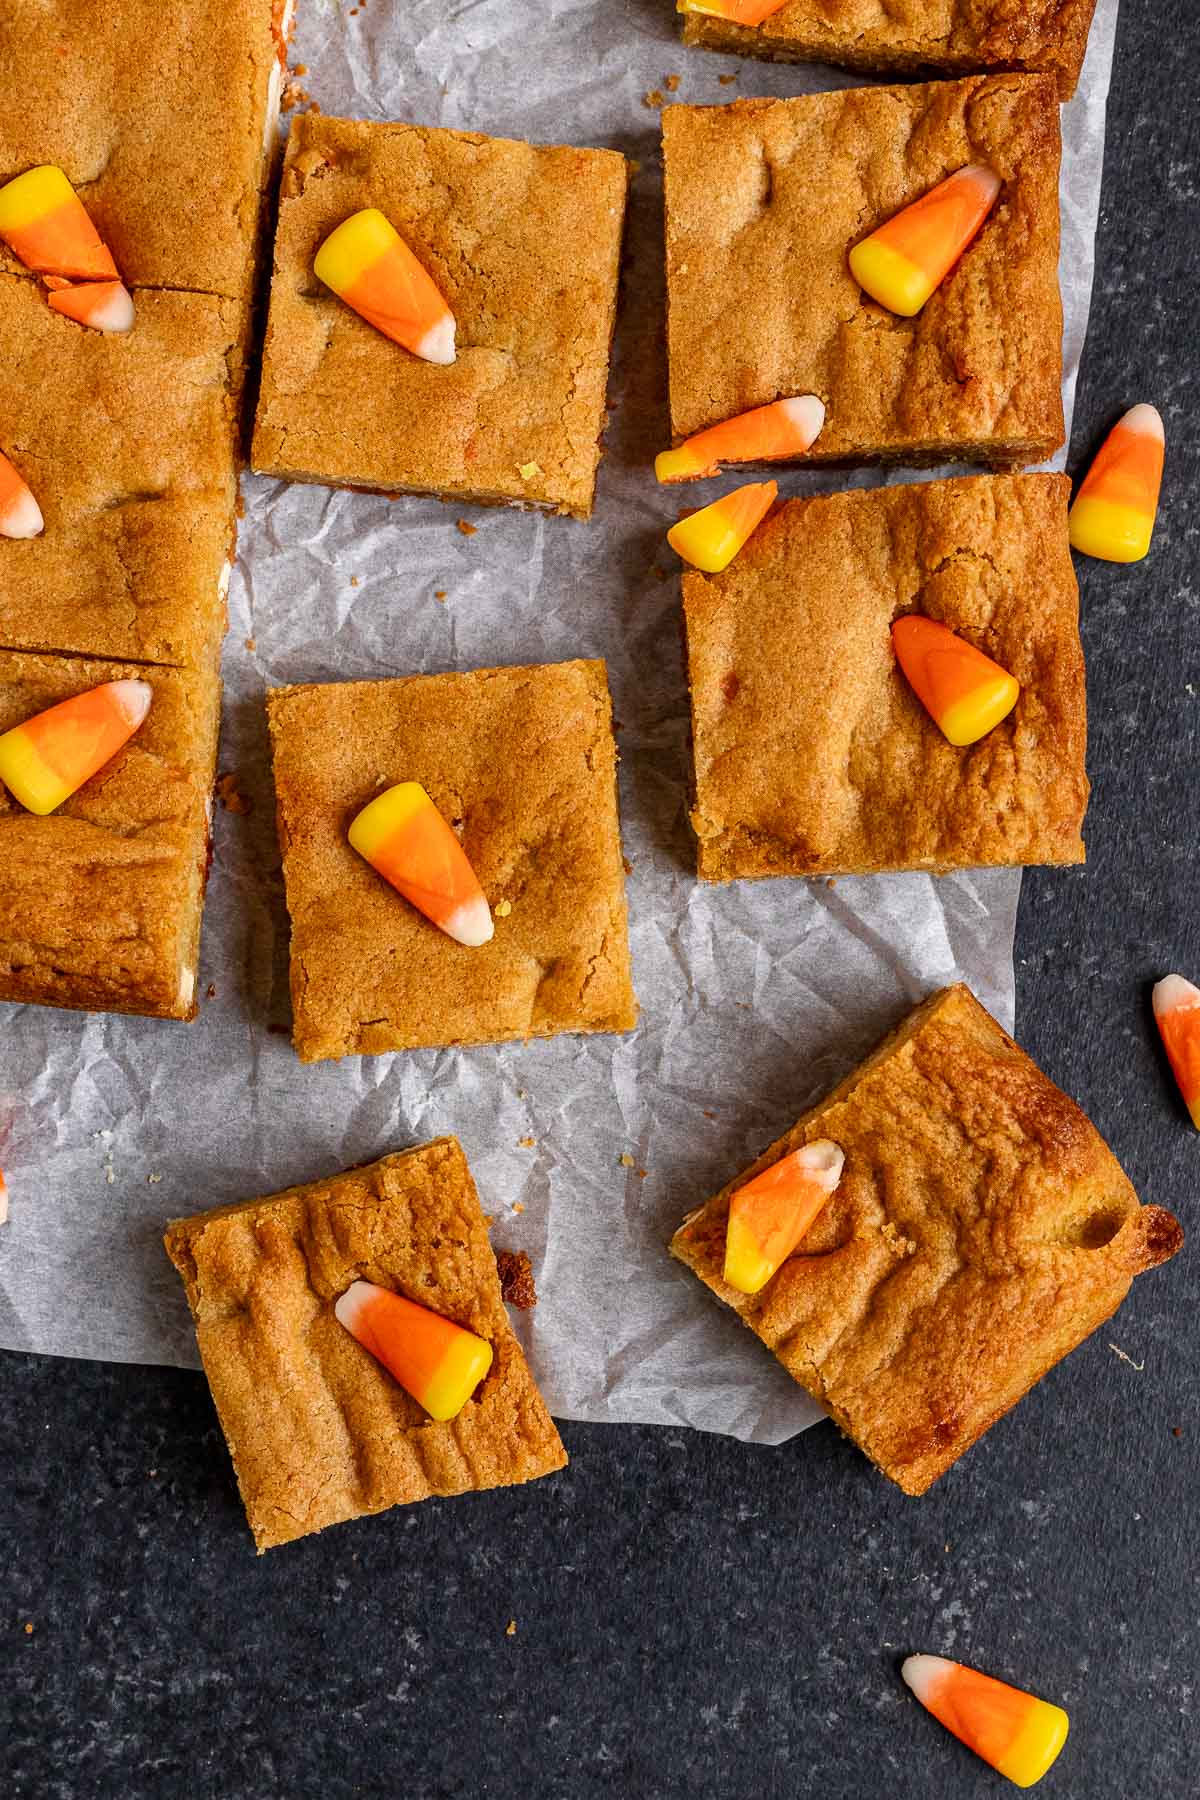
x,y
694,1616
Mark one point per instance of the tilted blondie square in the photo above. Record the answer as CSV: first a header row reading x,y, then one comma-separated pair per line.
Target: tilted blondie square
x,y
163,114
764,201
522,763
128,445
982,1228
100,901
319,1432
913,37
523,243
813,755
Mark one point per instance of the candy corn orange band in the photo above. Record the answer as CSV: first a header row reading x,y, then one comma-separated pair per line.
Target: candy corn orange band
x,y
963,691
711,538
738,12
368,265
104,305
43,221
769,1216
767,434
908,258
20,514
48,758
402,834
436,1361
1177,1015
1018,1734
1112,516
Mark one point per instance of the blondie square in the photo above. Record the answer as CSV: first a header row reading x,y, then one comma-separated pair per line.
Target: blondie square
x,y
813,756
522,762
523,242
100,901
913,37
128,446
764,201
981,1230
318,1430
163,115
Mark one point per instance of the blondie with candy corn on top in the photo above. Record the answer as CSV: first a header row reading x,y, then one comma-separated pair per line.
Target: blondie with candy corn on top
x,y
766,200
319,1427
97,91
814,752
100,900
516,249
520,766
947,37
980,1229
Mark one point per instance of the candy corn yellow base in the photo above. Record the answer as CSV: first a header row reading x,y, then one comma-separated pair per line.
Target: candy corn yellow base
x,y
746,1268
464,1366
387,814
890,278
26,776
970,719
1036,1744
1111,533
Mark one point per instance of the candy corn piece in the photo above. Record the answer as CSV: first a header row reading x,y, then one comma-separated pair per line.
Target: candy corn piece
x,y
436,1361
20,514
368,265
711,538
962,690
902,263
1177,1015
45,223
785,428
740,12
104,305
769,1216
402,834
48,758
1113,513
1016,1732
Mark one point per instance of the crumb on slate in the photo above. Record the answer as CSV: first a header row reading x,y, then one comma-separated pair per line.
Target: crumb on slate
x,y
526,1143
726,79
230,794
251,645
211,990
466,527
671,83
516,1279
625,1160
654,98
440,594
510,1630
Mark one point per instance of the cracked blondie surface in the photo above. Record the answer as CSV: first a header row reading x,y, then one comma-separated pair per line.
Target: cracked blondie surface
x,y
100,902
982,1228
522,762
128,444
948,37
523,242
764,201
813,756
318,1430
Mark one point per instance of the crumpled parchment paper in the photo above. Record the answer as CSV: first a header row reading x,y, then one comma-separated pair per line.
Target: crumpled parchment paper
x,y
755,997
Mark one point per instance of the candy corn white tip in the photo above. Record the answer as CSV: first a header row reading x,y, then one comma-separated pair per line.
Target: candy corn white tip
x,y
133,698
471,924
348,1308
1172,993
22,518
824,1161
923,1673
437,346
116,313
807,414
1145,421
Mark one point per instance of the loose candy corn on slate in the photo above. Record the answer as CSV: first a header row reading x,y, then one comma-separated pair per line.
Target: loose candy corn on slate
x,y
103,305
775,433
318,1431
1116,506
770,1215
432,1358
710,538
906,259
45,224
1177,1015
49,757
404,837
964,692
20,514
981,1229
1018,1734
368,265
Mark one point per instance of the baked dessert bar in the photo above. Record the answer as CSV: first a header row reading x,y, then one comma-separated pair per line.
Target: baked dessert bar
x,y
128,445
318,1430
982,1228
764,201
163,114
813,755
522,763
100,902
523,243
945,37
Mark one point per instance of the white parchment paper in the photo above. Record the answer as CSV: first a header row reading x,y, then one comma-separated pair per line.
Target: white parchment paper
x,y
755,997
